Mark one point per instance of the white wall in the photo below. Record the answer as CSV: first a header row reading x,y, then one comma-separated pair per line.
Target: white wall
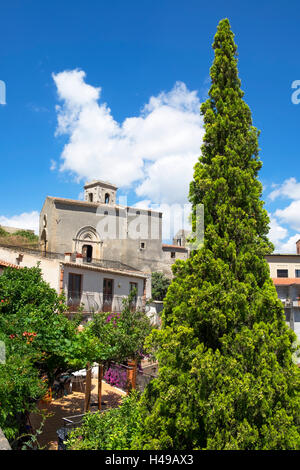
x,y
291,263
50,267
92,282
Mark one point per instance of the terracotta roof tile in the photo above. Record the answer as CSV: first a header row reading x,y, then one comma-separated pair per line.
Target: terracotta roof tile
x,y
285,281
8,265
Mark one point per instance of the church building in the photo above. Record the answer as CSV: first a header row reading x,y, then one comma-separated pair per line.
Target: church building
x,y
100,229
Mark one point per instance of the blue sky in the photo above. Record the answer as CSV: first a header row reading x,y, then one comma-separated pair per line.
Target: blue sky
x,y
141,71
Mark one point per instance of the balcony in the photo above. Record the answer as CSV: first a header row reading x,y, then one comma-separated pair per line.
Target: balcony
x,y
289,303
91,302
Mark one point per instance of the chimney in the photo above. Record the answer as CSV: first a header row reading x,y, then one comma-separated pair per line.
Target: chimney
x,y
298,247
79,258
68,257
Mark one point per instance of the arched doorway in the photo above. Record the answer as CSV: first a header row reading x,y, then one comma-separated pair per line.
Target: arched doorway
x,y
88,243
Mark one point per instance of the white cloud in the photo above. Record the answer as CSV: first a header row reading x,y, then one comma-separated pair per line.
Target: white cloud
x,y
167,180
155,151
175,217
290,215
277,232
26,220
289,188
53,165
288,246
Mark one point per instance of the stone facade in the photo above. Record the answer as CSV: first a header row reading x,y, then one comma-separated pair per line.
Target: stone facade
x,y
100,229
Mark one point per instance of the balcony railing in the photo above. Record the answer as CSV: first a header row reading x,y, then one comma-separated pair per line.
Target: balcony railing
x,y
104,263
91,302
109,264
289,303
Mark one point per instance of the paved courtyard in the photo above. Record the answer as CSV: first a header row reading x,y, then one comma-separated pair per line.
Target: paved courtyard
x,y
69,405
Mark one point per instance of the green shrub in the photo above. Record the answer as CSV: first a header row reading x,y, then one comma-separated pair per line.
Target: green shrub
x,y
3,233
113,429
27,234
39,340
160,284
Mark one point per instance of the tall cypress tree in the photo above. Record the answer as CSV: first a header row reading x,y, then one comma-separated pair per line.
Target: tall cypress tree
x,y
226,375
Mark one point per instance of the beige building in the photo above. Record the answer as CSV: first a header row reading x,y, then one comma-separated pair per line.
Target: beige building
x,y
100,229
100,284
101,287
285,273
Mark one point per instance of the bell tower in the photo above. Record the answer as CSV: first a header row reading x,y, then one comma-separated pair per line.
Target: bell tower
x,y
100,192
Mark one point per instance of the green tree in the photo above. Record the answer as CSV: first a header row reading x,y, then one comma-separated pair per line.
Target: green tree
x,y
160,284
121,335
40,341
226,375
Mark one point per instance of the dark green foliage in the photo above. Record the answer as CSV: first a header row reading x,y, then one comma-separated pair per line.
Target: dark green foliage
x,y
109,430
160,284
226,375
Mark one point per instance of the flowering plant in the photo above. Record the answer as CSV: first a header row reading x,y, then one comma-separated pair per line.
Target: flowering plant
x,y
116,376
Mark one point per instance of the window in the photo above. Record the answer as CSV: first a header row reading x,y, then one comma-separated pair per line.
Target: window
x,y
142,245
91,197
297,272
106,199
134,288
108,293
87,253
179,241
282,273
74,289
173,254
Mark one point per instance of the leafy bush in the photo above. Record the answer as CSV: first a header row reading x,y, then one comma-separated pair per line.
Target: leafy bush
x,y
113,429
3,233
160,284
27,234
122,335
39,341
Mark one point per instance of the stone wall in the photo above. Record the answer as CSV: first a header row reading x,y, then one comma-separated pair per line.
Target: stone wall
x,y
136,233
4,444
